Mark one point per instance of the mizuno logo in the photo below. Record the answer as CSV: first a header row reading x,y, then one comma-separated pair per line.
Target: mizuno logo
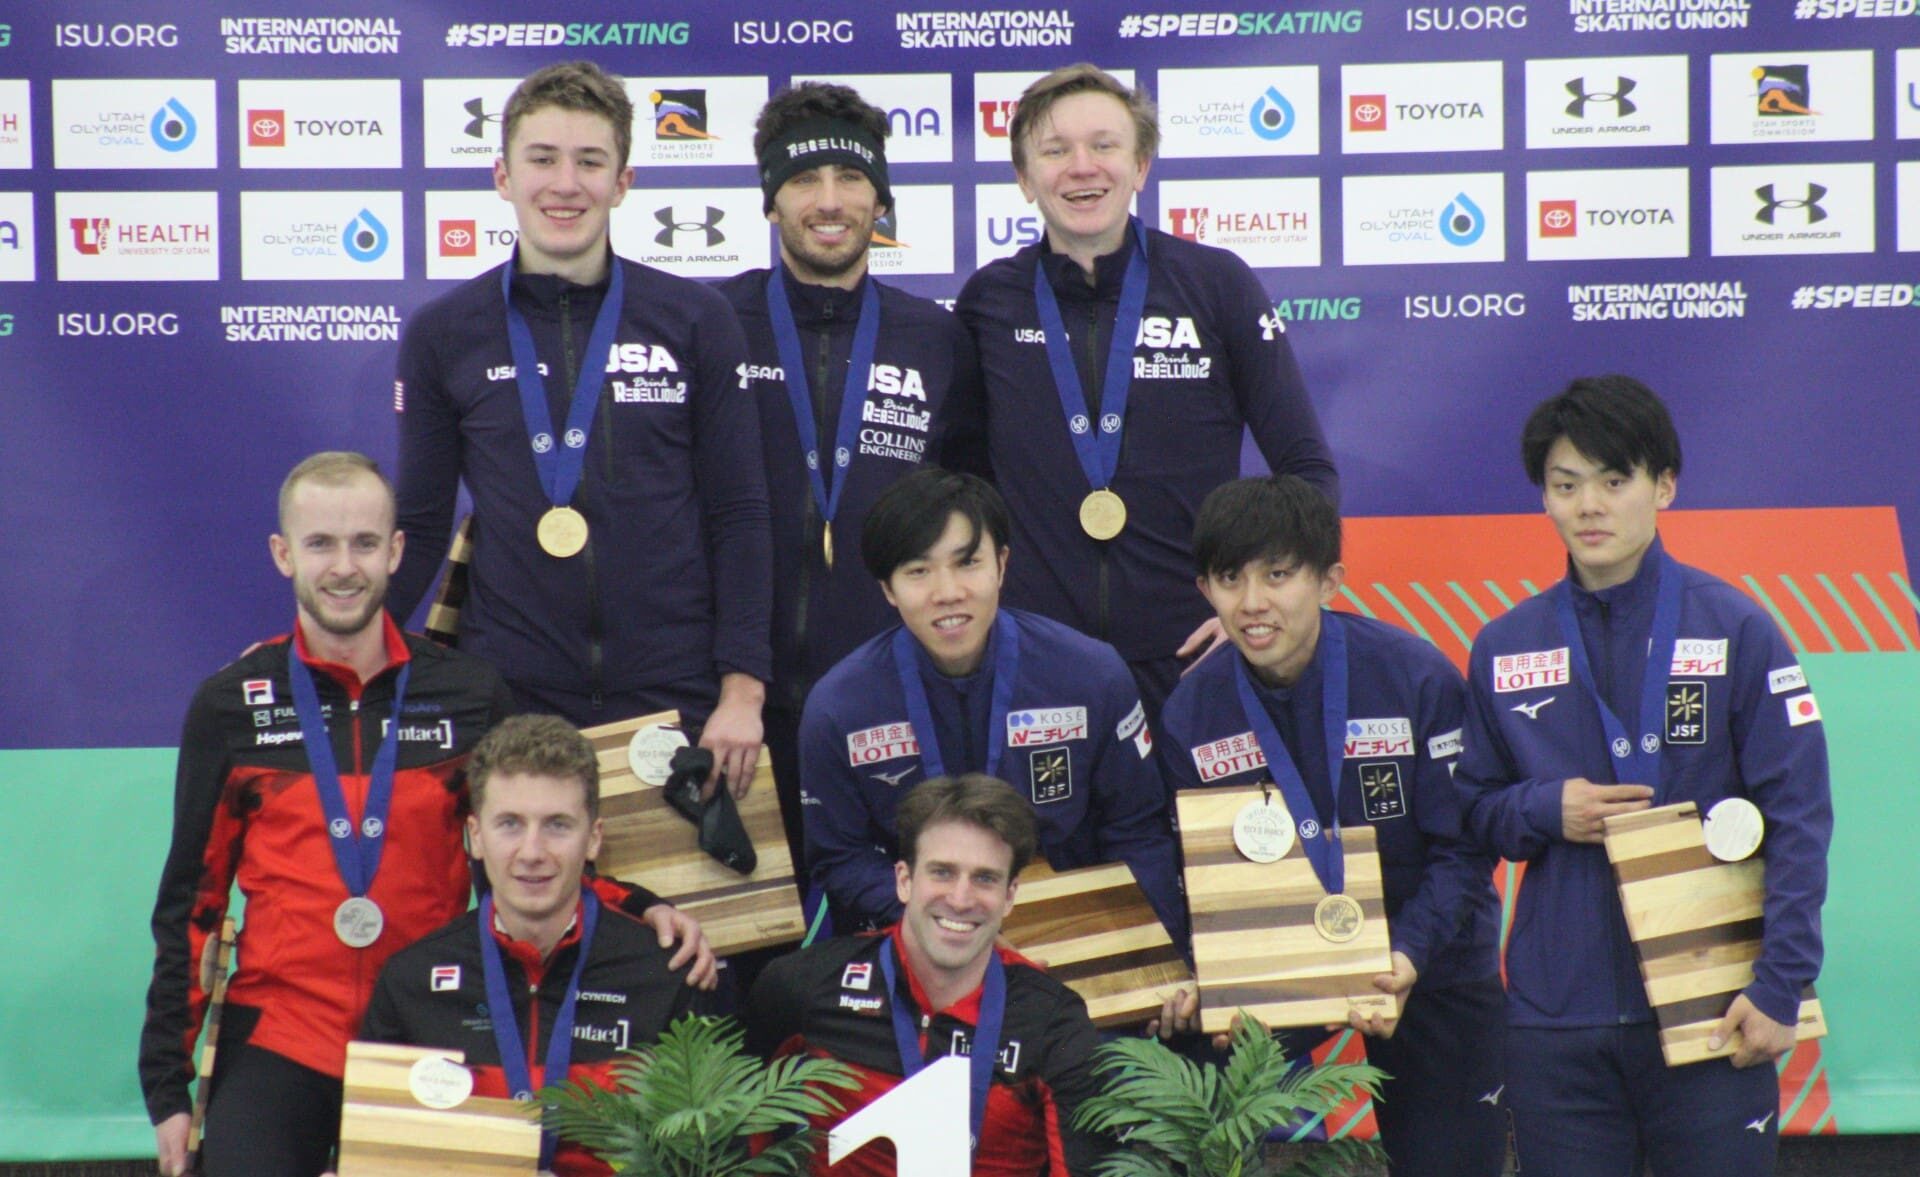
x,y
1493,1097
892,778
1532,710
1760,1125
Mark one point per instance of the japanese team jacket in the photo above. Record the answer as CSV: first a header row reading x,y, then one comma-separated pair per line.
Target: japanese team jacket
x,y
1754,734
434,993
922,356
1404,705
1211,361
1076,746
674,586
831,1001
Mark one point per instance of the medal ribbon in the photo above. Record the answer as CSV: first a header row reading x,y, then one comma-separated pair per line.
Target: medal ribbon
x,y
1641,763
356,853
506,1031
1006,665
793,365
1097,448
559,466
986,1034
1324,852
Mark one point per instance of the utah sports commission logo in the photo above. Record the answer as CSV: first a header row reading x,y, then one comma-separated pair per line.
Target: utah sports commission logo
x,y
680,114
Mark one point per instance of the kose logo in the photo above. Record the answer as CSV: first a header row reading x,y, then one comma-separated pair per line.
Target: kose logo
x,y
669,227
173,127
679,114
1557,218
90,234
1781,91
1462,222
364,238
1771,204
266,128
1272,115
459,239
1367,112
1616,98
996,116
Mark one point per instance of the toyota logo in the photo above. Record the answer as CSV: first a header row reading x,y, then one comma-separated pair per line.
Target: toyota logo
x,y
266,128
457,238
1558,218
1369,112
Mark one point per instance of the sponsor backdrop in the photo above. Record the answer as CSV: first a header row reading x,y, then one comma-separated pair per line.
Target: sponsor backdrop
x,y
213,224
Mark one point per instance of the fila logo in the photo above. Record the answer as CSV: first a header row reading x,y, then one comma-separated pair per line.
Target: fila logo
x,y
258,692
445,978
858,975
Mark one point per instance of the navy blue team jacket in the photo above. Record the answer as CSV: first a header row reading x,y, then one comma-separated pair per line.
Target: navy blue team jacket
x,y
923,354
1077,746
1212,361
1404,705
1530,726
673,586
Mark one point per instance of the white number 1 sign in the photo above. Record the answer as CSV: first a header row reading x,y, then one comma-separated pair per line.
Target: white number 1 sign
x,y
926,1117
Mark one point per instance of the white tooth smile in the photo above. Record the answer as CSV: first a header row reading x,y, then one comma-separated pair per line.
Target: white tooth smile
x,y
954,925
950,623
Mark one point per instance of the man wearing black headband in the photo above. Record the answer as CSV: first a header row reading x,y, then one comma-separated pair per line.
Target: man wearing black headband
x,y
852,378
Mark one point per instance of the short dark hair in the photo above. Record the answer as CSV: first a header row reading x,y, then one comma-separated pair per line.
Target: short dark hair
x,y
909,517
572,85
805,102
976,799
1082,78
335,468
1613,420
534,745
1279,517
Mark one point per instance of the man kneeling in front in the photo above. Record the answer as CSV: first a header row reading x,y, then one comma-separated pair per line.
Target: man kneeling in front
x,y
936,984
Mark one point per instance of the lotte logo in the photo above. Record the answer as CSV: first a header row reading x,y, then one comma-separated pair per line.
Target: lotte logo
x,y
90,234
1366,112
459,239
266,128
1557,218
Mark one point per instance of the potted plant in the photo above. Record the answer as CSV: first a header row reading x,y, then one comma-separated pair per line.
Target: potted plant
x,y
1179,1118
691,1104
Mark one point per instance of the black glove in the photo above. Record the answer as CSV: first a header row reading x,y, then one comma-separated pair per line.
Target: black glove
x,y
721,834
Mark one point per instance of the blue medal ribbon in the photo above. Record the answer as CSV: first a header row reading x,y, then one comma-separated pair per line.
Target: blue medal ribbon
x,y
559,466
506,1031
1097,448
1634,762
793,366
907,657
356,854
1323,850
986,1033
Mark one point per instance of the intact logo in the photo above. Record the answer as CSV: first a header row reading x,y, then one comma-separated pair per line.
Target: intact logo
x,y
858,975
1380,791
1050,775
996,116
266,128
671,226
1687,712
1695,657
1782,91
439,734
1366,112
459,238
961,1045
680,114
1228,756
887,741
1046,725
1787,678
445,978
1379,737
1558,218
1531,670
258,692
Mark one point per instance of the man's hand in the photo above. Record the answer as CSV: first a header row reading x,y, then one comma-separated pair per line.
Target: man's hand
x,y
1211,634
733,733
170,1143
1585,805
1762,1040
1397,983
671,924
1179,1014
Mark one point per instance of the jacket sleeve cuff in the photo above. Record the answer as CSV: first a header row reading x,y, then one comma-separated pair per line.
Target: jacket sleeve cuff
x,y
1542,808
1780,1005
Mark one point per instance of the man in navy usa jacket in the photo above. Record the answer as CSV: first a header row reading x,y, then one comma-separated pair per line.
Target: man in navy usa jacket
x,y
1636,681
960,686
1360,722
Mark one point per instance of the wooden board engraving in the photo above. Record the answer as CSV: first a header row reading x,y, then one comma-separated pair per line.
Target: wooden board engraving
x,y
385,1131
1099,936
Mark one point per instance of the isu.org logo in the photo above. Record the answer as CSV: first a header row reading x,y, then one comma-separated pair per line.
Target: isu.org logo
x,y
1462,222
1272,115
669,227
680,114
476,127
1781,91
364,237
173,128
1771,204
1616,97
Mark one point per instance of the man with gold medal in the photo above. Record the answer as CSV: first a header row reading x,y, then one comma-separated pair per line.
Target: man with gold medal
x,y
1345,720
1122,368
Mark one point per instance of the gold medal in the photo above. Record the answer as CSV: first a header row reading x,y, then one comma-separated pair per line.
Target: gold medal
x,y
562,532
826,544
1103,514
1338,918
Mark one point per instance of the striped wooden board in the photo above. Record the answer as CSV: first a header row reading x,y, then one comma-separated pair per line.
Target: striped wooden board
x,y
1695,923
210,1040
443,616
1098,935
386,1132
1254,944
646,842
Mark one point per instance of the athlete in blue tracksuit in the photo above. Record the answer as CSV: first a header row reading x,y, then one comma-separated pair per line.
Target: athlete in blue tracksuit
x,y
1268,550
1209,362
999,691
824,176
1732,717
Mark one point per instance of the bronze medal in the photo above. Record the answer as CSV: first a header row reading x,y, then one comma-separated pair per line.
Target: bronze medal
x,y
1338,918
1103,514
562,532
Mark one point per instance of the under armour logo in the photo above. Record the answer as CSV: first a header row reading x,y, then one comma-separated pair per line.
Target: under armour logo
x,y
1769,204
1272,326
1760,1125
1493,1097
1532,710
1616,97
476,127
669,227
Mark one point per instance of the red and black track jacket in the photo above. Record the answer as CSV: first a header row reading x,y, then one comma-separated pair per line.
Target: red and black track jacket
x,y
434,993
830,1001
